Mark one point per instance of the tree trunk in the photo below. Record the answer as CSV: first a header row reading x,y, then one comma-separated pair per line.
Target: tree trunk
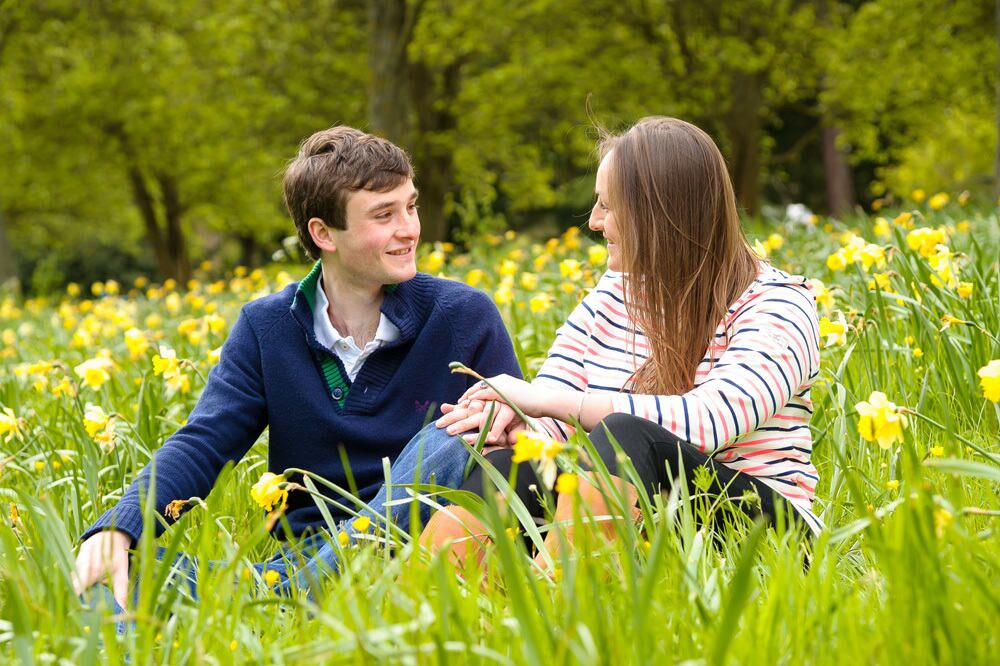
x,y
743,126
837,174
147,209
8,270
176,242
432,102
996,163
390,29
248,249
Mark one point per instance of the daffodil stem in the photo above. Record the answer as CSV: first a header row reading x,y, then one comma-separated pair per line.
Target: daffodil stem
x,y
461,368
975,447
389,525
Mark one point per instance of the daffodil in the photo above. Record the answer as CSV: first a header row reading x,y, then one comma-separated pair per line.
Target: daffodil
x,y
882,228
760,249
567,483
504,293
989,377
918,195
540,449
271,578
136,342
474,277
433,262
570,269
529,281
964,289
904,220
540,303
945,267
880,420
165,362
268,491
824,295
361,523
95,419
94,372
597,255
926,240
508,268
835,332
938,201
871,255
10,425
837,261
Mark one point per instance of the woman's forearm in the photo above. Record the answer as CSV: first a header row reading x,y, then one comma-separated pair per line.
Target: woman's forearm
x,y
588,408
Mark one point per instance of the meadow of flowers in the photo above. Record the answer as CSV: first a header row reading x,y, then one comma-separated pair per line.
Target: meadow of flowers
x,y
906,442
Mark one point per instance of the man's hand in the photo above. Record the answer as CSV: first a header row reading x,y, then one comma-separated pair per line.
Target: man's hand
x,y
470,417
104,554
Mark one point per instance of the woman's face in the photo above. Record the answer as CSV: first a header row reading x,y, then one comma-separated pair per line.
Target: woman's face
x,y
602,218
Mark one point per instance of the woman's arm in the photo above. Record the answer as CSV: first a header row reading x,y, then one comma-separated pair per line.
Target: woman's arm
x,y
771,358
773,354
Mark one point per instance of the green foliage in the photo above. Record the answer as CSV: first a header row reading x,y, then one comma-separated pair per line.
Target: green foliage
x,y
907,568
914,85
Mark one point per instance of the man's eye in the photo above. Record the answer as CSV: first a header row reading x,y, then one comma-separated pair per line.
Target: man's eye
x,y
414,207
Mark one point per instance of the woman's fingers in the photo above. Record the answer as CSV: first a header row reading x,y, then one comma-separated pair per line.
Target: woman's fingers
x,y
504,416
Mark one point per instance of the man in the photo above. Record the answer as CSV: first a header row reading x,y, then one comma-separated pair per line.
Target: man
x,y
354,356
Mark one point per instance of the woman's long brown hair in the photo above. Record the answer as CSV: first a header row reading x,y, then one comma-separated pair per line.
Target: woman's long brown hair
x,y
684,254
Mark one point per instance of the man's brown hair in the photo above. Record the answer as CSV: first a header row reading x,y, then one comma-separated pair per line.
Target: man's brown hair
x,y
333,164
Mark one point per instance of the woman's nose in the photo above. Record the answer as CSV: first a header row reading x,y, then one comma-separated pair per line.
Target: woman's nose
x,y
596,221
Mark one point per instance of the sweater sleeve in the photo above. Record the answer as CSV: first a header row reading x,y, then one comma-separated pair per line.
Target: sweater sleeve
x,y
772,355
564,367
489,351
229,417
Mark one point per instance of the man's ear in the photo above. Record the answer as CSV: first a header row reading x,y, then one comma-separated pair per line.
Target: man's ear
x,y
321,234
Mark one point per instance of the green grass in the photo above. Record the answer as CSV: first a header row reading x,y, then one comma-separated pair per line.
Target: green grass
x,y
904,573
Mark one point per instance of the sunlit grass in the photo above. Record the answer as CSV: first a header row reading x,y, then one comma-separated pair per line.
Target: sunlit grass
x,y
908,569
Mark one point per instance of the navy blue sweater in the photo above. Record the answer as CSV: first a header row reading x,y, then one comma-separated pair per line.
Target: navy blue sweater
x,y
273,373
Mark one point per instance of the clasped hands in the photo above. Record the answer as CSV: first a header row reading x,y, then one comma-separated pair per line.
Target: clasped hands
x,y
469,414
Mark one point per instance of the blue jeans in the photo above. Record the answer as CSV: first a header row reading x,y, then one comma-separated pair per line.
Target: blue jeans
x,y
432,456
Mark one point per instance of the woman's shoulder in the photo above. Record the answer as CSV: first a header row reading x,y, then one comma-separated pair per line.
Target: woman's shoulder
x,y
774,283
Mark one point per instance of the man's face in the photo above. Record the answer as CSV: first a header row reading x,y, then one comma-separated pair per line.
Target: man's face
x,y
379,245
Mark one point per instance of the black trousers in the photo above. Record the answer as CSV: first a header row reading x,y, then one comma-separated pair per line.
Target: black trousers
x,y
661,460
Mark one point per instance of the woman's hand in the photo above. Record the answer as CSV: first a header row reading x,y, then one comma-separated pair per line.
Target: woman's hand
x,y
470,417
529,398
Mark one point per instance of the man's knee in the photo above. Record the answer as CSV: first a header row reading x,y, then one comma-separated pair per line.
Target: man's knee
x,y
442,455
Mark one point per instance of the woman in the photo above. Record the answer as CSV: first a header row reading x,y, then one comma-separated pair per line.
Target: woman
x,y
691,351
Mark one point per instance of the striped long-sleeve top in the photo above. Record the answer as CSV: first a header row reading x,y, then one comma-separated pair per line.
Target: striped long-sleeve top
x,y
749,407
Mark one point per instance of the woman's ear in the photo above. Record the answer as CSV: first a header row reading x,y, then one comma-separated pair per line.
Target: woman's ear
x,y
321,234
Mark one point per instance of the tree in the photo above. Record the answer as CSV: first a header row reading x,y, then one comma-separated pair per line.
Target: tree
x,y
189,110
908,86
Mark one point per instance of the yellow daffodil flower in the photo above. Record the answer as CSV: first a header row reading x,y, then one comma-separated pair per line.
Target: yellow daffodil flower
x,y
835,332
938,201
567,483
989,377
880,420
268,491
94,372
